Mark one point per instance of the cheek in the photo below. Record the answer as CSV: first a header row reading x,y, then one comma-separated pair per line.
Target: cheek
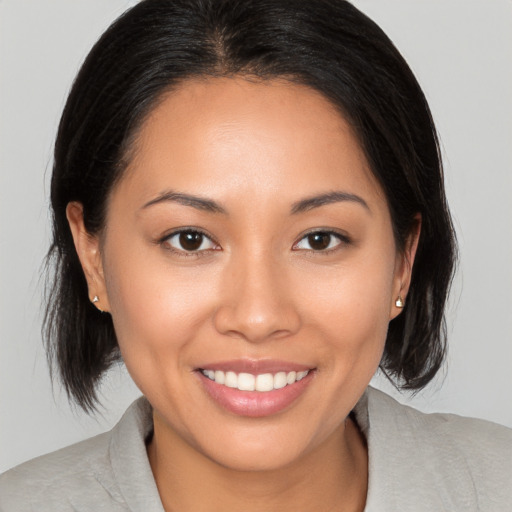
x,y
351,307
157,311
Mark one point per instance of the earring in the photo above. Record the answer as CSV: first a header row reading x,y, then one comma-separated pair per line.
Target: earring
x,y
399,303
94,300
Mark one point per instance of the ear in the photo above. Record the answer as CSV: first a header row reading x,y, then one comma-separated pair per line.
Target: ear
x,y
404,265
88,249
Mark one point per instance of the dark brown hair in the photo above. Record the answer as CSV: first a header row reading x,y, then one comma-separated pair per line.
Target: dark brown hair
x,y
327,45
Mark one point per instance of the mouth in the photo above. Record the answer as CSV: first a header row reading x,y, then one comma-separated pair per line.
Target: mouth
x,y
261,383
255,389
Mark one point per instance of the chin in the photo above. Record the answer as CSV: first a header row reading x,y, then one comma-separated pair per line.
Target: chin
x,y
259,447
266,458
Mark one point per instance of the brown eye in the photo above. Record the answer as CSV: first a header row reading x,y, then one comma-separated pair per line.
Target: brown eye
x,y
190,241
320,241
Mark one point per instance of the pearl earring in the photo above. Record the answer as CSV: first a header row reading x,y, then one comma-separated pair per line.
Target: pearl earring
x,y
95,299
399,303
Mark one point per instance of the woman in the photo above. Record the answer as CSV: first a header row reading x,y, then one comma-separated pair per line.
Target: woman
x,y
249,210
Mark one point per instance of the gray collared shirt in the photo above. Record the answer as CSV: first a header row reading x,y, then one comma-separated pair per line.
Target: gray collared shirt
x,y
417,462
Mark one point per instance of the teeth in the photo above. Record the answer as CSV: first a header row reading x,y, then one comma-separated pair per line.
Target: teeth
x,y
231,380
265,382
218,377
280,380
248,382
290,377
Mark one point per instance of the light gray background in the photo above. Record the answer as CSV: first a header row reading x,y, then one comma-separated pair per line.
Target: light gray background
x,y
461,51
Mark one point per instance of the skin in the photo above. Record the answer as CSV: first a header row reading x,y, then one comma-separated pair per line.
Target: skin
x,y
257,291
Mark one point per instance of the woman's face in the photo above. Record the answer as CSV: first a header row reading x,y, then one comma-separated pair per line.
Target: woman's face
x,y
248,236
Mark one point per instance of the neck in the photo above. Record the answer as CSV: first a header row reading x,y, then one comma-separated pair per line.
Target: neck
x,y
333,477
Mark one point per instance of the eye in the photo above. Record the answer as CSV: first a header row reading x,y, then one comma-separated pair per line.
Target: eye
x,y
320,241
190,241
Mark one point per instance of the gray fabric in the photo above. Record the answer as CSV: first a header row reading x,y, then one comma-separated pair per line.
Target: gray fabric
x,y
418,462
109,472
435,462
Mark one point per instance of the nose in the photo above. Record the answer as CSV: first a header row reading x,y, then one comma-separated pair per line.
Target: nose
x,y
257,301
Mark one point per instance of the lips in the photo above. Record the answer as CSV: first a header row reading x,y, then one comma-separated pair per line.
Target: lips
x,y
255,388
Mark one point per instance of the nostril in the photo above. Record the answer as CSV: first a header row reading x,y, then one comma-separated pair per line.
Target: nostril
x,y
240,322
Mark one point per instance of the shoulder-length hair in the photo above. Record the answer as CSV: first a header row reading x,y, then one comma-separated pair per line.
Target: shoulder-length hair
x,y
327,45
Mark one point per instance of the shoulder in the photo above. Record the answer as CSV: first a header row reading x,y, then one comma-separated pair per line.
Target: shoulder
x,y
475,437
83,476
445,458
60,480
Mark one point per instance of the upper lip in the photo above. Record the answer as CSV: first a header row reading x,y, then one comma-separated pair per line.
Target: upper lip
x,y
255,366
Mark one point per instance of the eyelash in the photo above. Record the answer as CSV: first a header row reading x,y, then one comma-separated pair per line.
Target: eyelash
x,y
164,241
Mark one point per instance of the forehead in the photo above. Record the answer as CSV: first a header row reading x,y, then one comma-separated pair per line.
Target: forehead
x,y
227,137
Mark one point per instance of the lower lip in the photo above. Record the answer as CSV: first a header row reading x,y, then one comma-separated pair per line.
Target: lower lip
x,y
255,404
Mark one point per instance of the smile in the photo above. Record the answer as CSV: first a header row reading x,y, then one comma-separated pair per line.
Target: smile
x,y
263,382
255,388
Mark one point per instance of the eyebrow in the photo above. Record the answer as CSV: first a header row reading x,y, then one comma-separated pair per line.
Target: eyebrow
x,y
203,204
200,203
328,198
